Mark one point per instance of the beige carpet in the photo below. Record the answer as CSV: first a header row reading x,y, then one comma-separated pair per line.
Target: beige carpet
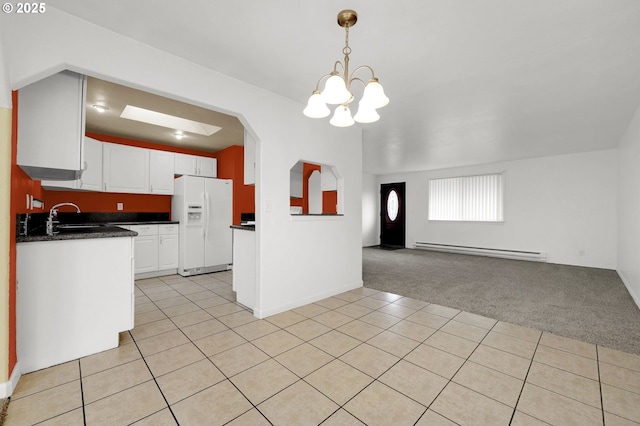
x,y
587,304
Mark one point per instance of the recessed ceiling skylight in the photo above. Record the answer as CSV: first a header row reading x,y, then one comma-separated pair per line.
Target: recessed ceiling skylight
x,y
166,120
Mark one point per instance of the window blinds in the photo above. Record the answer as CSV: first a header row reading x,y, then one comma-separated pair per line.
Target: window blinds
x,y
467,198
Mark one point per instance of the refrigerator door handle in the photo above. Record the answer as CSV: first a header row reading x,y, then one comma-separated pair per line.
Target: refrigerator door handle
x,y
206,214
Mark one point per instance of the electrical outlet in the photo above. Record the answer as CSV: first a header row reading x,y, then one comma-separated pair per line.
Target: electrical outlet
x,y
120,206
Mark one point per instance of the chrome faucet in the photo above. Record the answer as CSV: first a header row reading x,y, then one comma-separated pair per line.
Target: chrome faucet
x,y
53,213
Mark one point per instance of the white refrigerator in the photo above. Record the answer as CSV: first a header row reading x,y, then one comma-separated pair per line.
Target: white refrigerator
x,y
203,206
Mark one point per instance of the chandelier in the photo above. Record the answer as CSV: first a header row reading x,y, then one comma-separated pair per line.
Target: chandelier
x,y
337,89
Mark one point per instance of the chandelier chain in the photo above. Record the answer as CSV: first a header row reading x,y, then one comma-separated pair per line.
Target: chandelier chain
x,y
347,49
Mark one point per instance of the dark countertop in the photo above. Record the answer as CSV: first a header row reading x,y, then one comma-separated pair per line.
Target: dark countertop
x,y
87,225
105,231
244,227
154,222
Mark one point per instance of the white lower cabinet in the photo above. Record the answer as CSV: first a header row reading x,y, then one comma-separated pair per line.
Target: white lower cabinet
x,y
167,247
155,250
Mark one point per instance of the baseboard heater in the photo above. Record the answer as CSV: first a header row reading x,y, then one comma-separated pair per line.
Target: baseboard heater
x,y
536,256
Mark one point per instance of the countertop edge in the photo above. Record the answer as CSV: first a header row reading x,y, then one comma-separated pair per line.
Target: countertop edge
x,y
106,233
244,227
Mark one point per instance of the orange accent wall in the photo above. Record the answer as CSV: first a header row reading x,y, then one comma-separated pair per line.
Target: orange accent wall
x,y
231,166
330,202
93,202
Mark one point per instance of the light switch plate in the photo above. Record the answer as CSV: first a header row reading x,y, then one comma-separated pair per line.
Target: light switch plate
x,y
120,206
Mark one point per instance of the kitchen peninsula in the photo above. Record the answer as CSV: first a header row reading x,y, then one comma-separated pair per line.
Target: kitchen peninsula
x,y
244,264
74,293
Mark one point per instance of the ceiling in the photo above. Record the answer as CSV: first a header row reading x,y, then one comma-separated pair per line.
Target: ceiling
x,y
470,81
117,97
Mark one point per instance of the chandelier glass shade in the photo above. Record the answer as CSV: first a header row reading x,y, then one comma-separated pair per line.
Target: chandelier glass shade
x,y
337,88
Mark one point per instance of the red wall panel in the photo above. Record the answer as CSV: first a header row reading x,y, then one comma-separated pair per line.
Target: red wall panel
x,y
231,166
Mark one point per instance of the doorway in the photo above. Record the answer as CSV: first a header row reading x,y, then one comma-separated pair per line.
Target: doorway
x,y
392,215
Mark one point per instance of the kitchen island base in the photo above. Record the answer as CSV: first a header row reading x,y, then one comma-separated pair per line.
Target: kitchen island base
x,y
74,297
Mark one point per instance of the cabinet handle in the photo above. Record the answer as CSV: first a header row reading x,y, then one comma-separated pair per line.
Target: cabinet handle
x,y
105,186
151,188
80,183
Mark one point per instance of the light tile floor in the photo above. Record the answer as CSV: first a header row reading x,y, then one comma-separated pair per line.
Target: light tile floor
x,y
195,357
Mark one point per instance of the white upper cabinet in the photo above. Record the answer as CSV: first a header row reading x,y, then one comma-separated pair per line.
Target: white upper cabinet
x,y
91,179
51,121
161,170
249,159
194,165
207,167
125,169
185,164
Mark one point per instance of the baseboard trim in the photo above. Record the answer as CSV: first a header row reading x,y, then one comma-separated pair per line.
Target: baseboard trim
x,y
633,295
536,256
7,388
262,313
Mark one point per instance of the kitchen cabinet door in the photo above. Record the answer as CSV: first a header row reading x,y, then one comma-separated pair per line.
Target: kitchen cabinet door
x,y
125,169
185,164
168,252
161,170
91,179
146,253
207,167
51,127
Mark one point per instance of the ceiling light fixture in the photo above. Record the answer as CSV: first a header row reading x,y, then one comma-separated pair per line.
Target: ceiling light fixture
x,y
337,89
101,108
178,134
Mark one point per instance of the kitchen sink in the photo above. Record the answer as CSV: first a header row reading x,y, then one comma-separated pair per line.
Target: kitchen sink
x,y
79,225
79,228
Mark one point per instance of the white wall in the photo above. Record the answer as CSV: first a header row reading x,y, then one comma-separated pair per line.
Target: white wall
x,y
299,260
370,210
562,205
629,208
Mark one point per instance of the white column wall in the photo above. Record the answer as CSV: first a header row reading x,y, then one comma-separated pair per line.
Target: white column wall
x,y
629,208
370,210
298,261
563,205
